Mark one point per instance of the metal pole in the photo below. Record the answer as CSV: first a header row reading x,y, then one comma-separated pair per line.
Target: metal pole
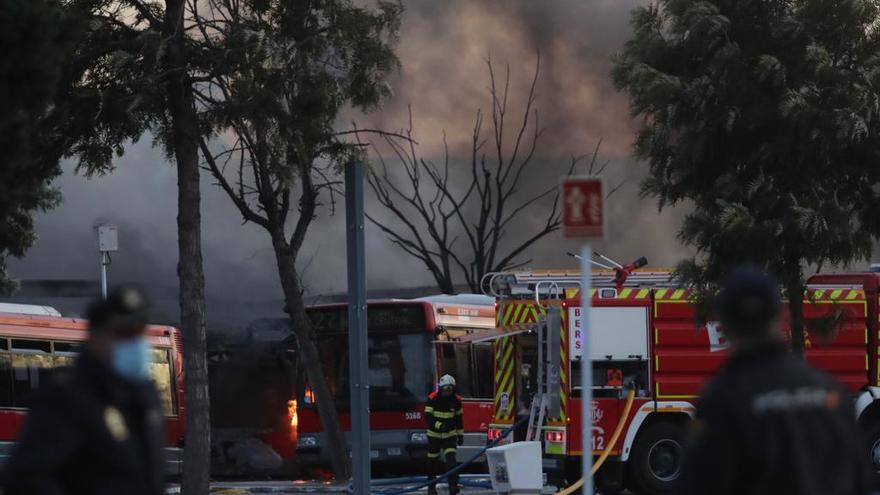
x,y
357,329
586,371
542,341
103,275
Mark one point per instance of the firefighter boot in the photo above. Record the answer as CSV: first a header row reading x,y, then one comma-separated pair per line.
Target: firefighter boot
x,y
453,478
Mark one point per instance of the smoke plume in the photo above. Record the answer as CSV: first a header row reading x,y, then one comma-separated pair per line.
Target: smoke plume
x,y
443,51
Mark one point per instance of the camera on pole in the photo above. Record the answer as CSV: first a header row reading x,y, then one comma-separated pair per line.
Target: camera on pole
x,y
108,242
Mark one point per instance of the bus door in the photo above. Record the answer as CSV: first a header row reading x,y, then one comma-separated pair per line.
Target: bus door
x,y
471,365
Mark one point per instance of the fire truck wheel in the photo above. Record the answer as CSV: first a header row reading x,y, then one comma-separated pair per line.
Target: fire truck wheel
x,y
655,463
871,434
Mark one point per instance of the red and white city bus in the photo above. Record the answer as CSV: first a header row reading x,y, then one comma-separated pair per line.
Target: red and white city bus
x,y
32,343
411,343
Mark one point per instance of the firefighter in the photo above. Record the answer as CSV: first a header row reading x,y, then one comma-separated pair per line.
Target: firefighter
x,y
768,422
96,428
445,432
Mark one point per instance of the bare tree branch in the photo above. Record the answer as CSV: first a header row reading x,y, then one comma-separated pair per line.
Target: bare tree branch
x,y
379,132
237,198
146,13
435,210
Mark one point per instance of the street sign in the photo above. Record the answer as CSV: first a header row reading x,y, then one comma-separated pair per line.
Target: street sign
x,y
583,216
583,212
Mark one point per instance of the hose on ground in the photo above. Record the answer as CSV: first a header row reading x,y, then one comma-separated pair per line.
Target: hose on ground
x,y
605,453
461,466
407,480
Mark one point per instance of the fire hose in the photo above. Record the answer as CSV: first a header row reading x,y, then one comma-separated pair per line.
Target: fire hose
x,y
458,468
423,482
601,460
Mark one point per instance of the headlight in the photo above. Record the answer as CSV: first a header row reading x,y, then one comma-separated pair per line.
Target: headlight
x,y
306,442
420,437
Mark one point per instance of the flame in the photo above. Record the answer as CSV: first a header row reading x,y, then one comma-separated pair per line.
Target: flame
x,y
292,413
309,396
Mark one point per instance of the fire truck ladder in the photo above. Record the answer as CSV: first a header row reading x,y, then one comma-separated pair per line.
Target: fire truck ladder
x,y
536,418
546,401
538,408
551,284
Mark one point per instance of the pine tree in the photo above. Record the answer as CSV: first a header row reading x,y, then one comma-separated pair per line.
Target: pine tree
x,y
763,117
36,35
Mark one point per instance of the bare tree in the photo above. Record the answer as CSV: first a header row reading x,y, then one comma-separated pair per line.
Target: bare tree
x,y
284,71
463,230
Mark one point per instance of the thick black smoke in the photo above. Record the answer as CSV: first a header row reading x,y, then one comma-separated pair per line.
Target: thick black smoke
x,y
443,51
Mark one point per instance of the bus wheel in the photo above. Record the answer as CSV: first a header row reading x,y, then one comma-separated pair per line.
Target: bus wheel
x,y
655,462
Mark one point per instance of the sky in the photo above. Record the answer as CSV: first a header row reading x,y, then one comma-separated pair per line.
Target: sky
x,y
444,47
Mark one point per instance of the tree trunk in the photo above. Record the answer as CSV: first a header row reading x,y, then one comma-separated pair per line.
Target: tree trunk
x,y
446,286
301,327
184,131
794,287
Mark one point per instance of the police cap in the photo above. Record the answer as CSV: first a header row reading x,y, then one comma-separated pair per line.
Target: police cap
x,y
124,311
749,301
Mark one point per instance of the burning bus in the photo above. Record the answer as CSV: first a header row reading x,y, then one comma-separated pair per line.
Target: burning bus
x,y
252,380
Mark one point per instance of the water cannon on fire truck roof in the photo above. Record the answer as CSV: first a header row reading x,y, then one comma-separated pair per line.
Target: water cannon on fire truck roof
x,y
553,283
621,272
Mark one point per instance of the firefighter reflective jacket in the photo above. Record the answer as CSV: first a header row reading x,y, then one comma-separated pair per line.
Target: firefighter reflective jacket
x,y
444,416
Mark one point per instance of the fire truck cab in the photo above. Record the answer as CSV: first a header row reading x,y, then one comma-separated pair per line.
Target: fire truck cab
x,y
644,338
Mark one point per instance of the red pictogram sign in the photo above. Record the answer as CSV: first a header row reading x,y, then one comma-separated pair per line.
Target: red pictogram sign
x,y
583,213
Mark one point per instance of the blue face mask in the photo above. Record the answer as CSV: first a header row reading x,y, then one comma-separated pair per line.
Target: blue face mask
x,y
131,359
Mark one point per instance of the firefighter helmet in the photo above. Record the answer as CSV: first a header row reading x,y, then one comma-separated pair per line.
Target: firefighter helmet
x,y
446,381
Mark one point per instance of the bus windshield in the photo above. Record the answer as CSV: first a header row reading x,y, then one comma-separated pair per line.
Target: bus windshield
x,y
399,367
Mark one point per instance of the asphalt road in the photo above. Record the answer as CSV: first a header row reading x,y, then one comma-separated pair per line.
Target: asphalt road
x,y
327,488
300,487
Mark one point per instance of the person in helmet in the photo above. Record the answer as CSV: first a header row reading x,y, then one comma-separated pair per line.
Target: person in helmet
x,y
445,432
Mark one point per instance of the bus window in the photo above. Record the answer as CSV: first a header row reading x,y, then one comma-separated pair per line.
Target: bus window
x,y
482,371
398,365
160,371
5,374
31,363
447,359
65,352
32,346
457,362
463,371
5,380
471,365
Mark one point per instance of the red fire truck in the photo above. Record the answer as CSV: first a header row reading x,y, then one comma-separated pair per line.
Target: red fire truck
x,y
644,338
411,343
32,343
